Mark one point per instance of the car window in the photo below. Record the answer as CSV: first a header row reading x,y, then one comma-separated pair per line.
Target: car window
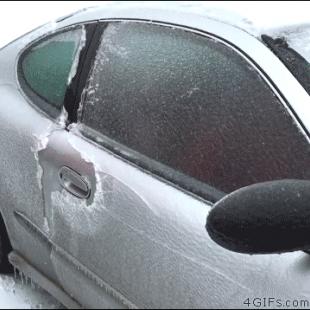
x,y
193,105
47,66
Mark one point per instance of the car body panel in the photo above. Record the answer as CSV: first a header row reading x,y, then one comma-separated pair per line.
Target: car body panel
x,y
137,241
24,132
144,241
20,188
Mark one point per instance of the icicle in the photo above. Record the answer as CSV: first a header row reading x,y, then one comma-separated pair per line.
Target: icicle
x,y
32,284
15,273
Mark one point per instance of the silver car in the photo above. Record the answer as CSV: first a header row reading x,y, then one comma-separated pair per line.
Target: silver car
x,y
120,128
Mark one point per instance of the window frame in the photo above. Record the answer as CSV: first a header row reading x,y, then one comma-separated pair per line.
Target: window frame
x,y
158,170
38,101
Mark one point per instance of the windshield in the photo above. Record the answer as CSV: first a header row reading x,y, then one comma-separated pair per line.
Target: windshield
x,y
293,49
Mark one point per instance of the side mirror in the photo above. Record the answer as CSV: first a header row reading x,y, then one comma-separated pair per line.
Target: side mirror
x,y
264,218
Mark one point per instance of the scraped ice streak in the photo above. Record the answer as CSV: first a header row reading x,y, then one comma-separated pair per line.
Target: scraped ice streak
x,y
87,91
83,96
77,56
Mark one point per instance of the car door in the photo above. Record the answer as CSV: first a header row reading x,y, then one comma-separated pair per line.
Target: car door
x,y
31,109
170,121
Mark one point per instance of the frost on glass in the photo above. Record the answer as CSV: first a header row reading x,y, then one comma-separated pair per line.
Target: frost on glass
x,y
192,104
75,63
49,66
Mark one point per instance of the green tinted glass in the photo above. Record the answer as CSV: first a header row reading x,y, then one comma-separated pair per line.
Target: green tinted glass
x,y
47,66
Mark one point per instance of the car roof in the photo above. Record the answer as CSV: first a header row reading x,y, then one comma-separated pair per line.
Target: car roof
x,y
251,19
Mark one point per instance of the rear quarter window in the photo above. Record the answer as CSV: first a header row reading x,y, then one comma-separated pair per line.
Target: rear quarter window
x,y
46,67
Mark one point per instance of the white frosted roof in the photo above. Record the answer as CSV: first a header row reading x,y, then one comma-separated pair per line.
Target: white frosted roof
x,y
253,17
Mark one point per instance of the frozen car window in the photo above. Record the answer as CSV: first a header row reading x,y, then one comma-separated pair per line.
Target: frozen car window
x,y
192,104
46,66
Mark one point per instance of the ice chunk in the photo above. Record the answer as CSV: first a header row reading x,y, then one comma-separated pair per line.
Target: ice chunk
x,y
77,55
41,141
62,118
16,294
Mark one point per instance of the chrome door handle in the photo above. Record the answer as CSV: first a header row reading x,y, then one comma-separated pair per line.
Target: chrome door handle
x,y
74,183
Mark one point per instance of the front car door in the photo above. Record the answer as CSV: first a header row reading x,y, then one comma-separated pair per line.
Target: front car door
x,y
170,121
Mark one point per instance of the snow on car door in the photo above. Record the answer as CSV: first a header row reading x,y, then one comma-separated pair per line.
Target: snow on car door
x,y
169,121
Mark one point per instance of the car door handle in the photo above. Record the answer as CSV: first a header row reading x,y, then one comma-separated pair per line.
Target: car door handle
x,y
74,183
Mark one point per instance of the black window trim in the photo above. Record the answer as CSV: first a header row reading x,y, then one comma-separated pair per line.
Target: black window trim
x,y
158,170
35,99
74,105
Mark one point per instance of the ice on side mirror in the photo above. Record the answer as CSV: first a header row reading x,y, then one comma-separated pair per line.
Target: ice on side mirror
x,y
264,218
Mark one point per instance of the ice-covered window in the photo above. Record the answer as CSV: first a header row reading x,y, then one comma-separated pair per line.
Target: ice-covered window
x,y
46,66
193,105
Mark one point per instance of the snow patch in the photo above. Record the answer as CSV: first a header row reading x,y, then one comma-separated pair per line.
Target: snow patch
x,y
74,128
20,293
41,141
298,38
62,119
